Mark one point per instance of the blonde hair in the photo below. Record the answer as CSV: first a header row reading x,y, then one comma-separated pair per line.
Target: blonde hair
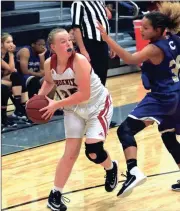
x,y
4,36
52,33
172,11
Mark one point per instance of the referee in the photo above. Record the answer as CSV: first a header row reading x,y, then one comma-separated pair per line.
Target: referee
x,y
85,15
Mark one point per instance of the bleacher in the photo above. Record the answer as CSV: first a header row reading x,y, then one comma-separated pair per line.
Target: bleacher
x,y
28,18
23,19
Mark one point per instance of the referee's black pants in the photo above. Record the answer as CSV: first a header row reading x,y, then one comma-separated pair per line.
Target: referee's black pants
x,y
99,55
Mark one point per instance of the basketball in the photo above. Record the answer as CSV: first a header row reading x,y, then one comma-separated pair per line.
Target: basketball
x,y
33,106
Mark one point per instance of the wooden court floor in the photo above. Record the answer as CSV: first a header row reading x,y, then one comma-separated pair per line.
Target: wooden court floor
x,y
28,176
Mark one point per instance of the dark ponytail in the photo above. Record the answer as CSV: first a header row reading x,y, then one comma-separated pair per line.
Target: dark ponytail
x,y
168,17
158,20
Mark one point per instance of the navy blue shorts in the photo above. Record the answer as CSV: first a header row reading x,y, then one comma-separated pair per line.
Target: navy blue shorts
x,y
162,108
26,79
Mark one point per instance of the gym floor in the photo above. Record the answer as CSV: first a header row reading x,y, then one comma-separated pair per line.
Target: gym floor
x,y
30,156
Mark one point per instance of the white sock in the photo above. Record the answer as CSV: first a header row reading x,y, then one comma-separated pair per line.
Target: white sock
x,y
57,189
110,166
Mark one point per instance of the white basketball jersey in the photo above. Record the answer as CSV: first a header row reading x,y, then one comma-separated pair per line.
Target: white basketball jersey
x,y
66,84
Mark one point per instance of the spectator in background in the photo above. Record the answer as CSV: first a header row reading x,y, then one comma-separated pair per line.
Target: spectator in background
x,y
153,5
30,62
125,8
10,77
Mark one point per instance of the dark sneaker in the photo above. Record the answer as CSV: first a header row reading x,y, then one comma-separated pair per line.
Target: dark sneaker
x,y
19,115
134,178
111,178
8,124
112,124
56,201
176,187
29,122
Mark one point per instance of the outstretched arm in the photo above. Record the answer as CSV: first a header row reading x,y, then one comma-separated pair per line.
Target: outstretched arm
x,y
136,58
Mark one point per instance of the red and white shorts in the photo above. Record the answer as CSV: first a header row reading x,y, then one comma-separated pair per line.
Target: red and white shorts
x,y
90,119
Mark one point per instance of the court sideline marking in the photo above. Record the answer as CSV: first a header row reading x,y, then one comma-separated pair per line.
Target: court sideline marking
x,y
79,190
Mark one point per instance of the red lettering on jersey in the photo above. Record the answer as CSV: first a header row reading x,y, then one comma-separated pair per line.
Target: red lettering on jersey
x,y
70,82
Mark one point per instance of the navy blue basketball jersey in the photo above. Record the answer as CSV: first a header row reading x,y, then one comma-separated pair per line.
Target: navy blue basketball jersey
x,y
34,61
164,77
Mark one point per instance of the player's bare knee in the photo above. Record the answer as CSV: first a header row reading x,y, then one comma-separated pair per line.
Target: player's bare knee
x,y
93,156
95,152
147,123
127,130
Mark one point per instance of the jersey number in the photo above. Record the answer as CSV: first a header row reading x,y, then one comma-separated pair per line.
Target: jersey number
x,y
176,69
64,94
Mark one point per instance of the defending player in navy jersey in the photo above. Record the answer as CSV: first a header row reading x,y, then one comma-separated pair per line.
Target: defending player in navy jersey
x,y
160,74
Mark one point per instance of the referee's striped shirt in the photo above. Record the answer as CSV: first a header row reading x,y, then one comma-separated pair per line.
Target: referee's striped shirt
x,y
85,14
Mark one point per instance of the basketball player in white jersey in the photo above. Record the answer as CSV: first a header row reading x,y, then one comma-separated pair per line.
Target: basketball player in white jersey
x,y
87,110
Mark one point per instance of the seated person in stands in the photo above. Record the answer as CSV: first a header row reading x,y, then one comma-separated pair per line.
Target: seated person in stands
x,y
125,8
30,62
10,77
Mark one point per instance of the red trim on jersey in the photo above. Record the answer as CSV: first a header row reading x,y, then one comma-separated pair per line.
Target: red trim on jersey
x,y
53,63
103,114
70,61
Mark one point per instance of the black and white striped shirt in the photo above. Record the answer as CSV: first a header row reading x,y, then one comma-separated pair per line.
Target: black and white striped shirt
x,y
85,14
